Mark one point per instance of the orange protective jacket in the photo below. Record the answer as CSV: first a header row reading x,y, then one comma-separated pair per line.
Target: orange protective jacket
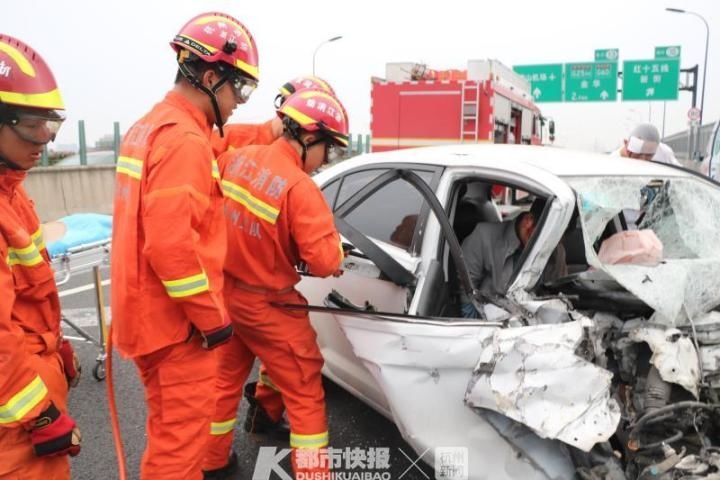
x,y
168,244
29,304
240,135
276,217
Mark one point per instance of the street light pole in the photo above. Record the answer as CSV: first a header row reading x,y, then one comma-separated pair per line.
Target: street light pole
x,y
320,45
705,64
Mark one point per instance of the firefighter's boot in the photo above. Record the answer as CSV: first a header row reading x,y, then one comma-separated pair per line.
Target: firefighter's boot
x,y
223,473
258,421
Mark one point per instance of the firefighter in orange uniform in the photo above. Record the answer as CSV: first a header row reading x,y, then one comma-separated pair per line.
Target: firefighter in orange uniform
x,y
169,242
277,218
36,364
264,400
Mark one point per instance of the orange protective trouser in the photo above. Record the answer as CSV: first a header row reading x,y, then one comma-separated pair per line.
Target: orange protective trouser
x,y
268,395
179,391
18,461
285,343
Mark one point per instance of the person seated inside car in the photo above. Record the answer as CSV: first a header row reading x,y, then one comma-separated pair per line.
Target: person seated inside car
x,y
493,250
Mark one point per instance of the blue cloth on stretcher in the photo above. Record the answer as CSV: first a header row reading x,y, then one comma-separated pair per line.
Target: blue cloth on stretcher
x,y
82,228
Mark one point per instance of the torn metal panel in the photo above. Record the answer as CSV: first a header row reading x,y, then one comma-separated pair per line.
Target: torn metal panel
x,y
423,372
550,311
340,363
552,457
604,325
534,376
710,355
707,329
682,212
674,354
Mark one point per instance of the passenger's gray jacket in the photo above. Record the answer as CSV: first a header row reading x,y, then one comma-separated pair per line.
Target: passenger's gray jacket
x,y
491,251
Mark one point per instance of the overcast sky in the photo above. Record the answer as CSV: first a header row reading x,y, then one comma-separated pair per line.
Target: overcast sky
x,y
112,59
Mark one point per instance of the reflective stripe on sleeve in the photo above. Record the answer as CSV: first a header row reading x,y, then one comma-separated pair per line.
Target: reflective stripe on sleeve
x,y
129,166
319,440
222,428
184,287
27,256
22,402
256,206
38,239
215,170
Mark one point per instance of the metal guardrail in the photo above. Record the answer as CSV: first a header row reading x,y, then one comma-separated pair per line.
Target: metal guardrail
x,y
359,144
682,142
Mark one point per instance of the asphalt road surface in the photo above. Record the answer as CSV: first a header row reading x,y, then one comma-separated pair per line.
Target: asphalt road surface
x,y
354,427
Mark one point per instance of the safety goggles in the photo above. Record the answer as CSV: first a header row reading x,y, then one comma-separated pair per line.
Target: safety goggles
x,y
335,152
39,128
242,87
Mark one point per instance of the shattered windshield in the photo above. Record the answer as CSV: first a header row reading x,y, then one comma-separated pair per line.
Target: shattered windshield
x,y
683,214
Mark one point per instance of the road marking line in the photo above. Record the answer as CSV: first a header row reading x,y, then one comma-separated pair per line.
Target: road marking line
x,y
83,288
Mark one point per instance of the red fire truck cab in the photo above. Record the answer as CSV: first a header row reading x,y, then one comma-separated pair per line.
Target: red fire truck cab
x,y
416,106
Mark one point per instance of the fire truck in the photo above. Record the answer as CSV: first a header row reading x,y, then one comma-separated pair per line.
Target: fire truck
x,y
416,106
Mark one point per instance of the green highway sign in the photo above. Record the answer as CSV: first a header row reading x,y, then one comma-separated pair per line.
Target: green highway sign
x,y
607,55
651,79
545,81
667,52
591,82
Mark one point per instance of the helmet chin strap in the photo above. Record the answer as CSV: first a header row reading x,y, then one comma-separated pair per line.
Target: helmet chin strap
x,y
294,132
4,162
212,93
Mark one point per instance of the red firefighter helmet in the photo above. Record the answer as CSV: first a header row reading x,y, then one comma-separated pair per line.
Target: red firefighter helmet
x,y
317,110
298,84
217,37
308,82
25,79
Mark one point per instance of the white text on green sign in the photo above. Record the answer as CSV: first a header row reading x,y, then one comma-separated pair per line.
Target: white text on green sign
x,y
591,82
545,81
651,79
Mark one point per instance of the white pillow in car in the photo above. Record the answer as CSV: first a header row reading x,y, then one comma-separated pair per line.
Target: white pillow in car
x,y
639,247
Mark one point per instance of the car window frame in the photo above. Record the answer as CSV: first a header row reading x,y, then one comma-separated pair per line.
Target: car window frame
x,y
517,180
423,214
431,200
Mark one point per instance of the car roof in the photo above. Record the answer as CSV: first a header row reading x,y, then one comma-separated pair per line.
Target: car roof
x,y
557,161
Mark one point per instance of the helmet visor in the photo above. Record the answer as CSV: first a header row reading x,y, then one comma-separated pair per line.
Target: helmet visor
x,y
37,127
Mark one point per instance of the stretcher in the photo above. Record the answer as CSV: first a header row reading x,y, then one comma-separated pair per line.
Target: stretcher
x,y
80,244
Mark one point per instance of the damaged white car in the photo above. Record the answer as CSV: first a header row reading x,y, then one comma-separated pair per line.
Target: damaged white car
x,y
609,372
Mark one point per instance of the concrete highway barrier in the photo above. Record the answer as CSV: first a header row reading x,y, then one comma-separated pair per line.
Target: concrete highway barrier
x,y
61,191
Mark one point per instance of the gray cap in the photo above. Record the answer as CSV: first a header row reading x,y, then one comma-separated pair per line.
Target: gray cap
x,y
643,139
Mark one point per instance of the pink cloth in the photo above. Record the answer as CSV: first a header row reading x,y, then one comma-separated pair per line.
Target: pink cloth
x,y
639,247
